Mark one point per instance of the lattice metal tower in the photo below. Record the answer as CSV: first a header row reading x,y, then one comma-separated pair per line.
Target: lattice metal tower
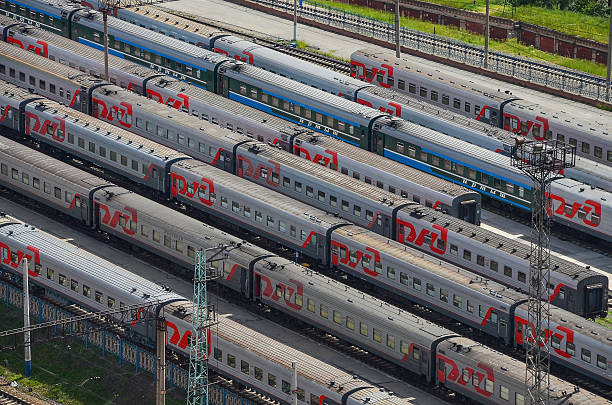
x,y
204,316
541,161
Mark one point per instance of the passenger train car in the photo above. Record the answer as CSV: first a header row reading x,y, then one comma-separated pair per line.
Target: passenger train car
x,y
345,158
398,98
515,113
73,275
367,128
258,275
484,252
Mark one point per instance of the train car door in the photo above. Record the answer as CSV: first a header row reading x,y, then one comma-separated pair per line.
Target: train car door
x,y
257,287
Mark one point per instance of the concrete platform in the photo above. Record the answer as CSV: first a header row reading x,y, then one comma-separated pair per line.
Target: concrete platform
x,y
226,309
567,250
230,13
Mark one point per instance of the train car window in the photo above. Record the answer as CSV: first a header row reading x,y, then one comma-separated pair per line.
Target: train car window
x,y
50,274
368,180
430,290
167,241
178,246
369,215
555,342
51,88
434,95
357,211
391,341
310,305
522,277
411,151
509,188
470,306
298,187
416,282
376,335
345,205
535,131
457,301
337,318
314,399
323,311
269,221
401,84
286,387
444,295
244,367
12,72
4,169
47,188
412,88
404,347
32,81
504,393
218,353
282,226
519,399
15,174
86,291
113,156
423,92
391,81
548,134
57,192
350,323
156,235
602,362
447,164
70,138
62,280
573,142
507,271
124,159
392,189
258,373
235,206
190,251
363,329
456,103
22,77
525,127
597,151
467,255
585,354
454,249
92,147
609,156
570,348
68,197
560,139
586,148
25,178
400,147
379,77
493,265
134,164
74,285
467,107
231,360
480,260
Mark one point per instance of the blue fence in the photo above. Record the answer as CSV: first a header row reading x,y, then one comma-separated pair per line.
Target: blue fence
x,y
549,75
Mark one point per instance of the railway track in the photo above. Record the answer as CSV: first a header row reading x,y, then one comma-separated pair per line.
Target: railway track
x,y
6,398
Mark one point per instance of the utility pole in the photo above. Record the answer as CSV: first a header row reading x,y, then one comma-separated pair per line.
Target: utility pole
x,y
294,22
609,52
105,19
540,161
485,63
202,318
161,361
397,29
26,320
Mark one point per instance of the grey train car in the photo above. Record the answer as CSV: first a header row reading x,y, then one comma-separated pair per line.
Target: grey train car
x,y
473,300
578,290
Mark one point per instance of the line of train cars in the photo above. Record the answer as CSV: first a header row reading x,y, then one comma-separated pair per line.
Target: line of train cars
x,y
400,77
518,114
475,301
345,158
370,129
73,275
395,96
572,287
426,349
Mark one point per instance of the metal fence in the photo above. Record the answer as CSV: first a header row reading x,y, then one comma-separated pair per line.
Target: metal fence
x,y
110,343
552,76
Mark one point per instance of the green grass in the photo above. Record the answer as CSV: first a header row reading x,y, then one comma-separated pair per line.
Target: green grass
x,y
62,370
510,46
569,22
607,321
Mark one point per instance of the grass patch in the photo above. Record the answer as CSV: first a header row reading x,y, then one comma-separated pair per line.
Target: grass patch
x,y
330,54
510,46
569,22
64,371
607,321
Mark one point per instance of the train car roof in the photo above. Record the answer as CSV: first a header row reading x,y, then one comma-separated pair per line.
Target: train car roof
x,y
85,262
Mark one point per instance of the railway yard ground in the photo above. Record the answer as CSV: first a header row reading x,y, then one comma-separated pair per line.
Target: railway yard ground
x,y
140,267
